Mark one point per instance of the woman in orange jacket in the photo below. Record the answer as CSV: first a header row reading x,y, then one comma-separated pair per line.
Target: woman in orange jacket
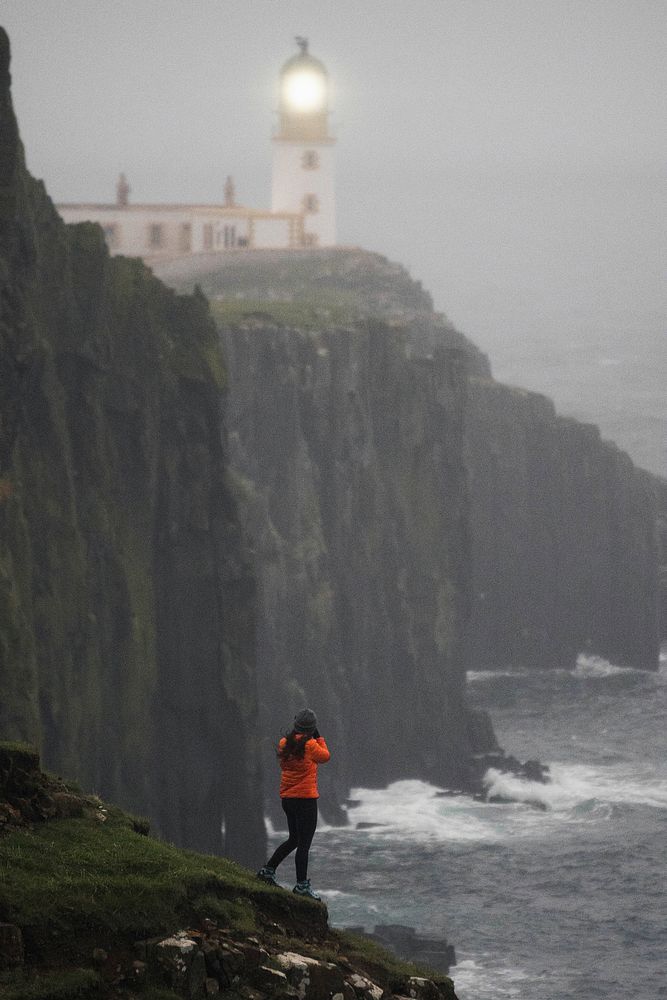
x,y
299,753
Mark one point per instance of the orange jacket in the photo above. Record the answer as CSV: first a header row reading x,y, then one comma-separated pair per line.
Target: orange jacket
x,y
299,777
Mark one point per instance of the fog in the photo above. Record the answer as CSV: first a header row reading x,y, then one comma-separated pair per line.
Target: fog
x,y
510,153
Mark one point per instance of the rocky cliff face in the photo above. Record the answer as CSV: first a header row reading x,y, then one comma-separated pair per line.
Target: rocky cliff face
x,y
350,466
126,602
563,539
660,488
410,516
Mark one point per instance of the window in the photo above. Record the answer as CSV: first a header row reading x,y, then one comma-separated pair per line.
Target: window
x,y
207,236
155,235
230,236
310,160
310,239
111,235
185,237
310,203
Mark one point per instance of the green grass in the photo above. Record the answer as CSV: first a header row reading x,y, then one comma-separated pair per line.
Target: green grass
x,y
73,885
303,314
79,883
54,986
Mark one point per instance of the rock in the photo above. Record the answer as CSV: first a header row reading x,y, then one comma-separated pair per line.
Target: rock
x,y
311,979
175,956
364,989
67,805
422,989
9,814
11,946
441,958
100,956
232,961
347,993
265,977
254,954
534,771
139,970
197,975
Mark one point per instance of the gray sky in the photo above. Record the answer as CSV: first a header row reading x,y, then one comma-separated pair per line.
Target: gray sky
x,y
510,152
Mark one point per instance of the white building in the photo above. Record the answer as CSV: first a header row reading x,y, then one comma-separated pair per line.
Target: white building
x,y
302,208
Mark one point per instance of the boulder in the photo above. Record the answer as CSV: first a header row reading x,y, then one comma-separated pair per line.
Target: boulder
x,y
311,979
232,961
364,989
175,957
422,989
264,977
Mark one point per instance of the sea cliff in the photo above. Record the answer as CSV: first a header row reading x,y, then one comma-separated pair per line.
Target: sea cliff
x,y
350,463
564,539
411,517
127,603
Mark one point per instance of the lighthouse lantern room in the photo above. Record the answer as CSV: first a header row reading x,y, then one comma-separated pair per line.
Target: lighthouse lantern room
x,y
303,165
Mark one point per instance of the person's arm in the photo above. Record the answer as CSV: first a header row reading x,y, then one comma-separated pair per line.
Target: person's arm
x,y
318,750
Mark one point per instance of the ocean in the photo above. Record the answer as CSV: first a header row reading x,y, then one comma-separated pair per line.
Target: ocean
x,y
560,895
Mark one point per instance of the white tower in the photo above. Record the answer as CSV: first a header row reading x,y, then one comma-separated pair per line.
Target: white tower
x,y
303,166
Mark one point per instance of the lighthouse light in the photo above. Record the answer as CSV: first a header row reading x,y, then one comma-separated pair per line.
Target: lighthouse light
x,y
304,90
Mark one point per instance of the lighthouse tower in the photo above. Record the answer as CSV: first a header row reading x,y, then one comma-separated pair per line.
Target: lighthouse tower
x,y
303,165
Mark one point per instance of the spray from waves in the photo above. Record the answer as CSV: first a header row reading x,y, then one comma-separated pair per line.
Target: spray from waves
x,y
487,982
597,666
475,676
587,667
577,788
418,811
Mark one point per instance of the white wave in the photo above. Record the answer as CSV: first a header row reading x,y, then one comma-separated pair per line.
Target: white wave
x,y
489,675
597,666
580,788
416,810
475,981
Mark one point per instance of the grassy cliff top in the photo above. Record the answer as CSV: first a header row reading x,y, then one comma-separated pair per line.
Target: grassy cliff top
x,y
89,890
360,281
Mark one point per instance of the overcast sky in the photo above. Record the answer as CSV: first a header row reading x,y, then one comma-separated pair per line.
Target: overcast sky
x,y
512,153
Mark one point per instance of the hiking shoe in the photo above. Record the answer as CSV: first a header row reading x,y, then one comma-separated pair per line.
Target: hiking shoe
x,y
304,889
267,875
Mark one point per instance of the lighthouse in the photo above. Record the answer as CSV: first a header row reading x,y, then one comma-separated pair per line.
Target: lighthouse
x,y
303,149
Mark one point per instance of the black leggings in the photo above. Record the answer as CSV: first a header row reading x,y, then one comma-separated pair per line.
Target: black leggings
x,y
301,823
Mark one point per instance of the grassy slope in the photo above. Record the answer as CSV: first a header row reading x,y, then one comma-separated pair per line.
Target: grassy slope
x,y
97,881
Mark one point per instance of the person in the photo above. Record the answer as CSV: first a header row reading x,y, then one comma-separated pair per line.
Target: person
x,y
299,753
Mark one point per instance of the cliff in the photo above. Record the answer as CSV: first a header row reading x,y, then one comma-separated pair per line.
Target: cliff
x,y
126,598
660,488
563,527
319,288
349,457
91,906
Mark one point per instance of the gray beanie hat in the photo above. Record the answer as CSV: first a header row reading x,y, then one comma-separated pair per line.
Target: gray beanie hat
x,y
305,720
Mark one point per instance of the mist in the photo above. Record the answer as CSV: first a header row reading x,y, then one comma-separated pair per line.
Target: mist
x,y
511,154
